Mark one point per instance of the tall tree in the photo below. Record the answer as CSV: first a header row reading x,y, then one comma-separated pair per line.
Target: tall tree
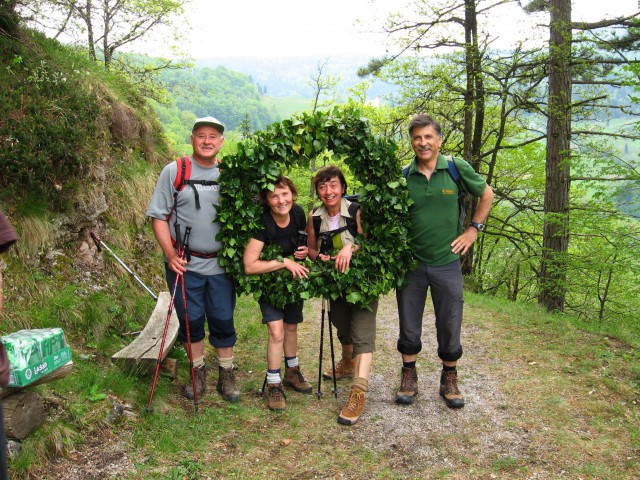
x,y
555,241
323,85
586,58
509,103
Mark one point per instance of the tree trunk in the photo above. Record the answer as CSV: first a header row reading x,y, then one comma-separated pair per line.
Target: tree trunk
x,y
473,113
556,198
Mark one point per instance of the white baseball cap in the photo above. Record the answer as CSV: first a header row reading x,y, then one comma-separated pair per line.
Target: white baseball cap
x,y
210,121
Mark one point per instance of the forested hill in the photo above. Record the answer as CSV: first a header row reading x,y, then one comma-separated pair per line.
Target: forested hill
x,y
226,94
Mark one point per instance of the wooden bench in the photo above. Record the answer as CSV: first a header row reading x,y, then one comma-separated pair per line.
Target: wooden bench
x,y
141,355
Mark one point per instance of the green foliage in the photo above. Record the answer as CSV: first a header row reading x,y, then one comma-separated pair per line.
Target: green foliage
x,y
49,119
343,132
60,112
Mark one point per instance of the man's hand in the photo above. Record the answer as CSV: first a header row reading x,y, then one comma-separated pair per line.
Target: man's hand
x,y
176,263
462,243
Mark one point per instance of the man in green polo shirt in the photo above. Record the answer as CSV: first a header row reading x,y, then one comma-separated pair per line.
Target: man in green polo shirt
x,y
438,240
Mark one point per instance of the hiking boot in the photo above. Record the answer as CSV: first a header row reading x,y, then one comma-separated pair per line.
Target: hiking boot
x,y
344,369
353,408
293,378
449,389
201,383
276,397
408,386
227,386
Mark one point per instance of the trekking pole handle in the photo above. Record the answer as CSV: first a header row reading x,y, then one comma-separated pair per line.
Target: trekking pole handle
x,y
97,241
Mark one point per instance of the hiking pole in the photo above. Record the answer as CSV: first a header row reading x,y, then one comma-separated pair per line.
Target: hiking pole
x,y
164,334
182,251
319,392
264,385
333,357
99,244
164,337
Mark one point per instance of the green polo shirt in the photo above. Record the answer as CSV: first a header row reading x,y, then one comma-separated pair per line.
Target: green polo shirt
x,y
434,213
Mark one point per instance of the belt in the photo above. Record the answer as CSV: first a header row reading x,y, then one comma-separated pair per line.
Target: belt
x,y
203,255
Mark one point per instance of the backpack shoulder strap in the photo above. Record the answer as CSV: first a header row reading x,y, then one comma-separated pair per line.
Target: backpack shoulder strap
x,y
269,226
455,175
184,173
453,169
352,223
316,222
405,171
299,217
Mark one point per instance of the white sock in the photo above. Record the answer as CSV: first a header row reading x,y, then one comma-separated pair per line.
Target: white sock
x,y
226,363
198,362
273,377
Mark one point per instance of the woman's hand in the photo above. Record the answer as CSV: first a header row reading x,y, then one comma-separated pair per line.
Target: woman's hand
x,y
297,270
301,253
343,258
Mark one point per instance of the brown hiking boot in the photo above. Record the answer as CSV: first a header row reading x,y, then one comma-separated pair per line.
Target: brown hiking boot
x,y
276,397
344,369
201,383
408,386
353,408
449,389
293,378
227,386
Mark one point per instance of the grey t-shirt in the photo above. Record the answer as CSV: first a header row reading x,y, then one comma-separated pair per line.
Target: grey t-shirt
x,y
204,228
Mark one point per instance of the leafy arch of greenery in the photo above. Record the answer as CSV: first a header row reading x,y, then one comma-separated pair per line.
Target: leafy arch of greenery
x,y
384,256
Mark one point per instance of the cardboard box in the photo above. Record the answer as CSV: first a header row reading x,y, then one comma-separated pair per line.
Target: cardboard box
x,y
35,353
27,375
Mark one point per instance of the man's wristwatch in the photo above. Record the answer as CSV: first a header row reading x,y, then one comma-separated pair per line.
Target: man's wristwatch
x,y
481,227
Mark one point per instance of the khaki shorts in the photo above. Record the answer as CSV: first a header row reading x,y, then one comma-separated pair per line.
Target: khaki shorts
x,y
355,326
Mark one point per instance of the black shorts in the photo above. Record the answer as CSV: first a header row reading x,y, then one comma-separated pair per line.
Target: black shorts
x,y
292,313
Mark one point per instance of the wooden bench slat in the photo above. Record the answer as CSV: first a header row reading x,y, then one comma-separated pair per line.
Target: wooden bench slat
x,y
141,355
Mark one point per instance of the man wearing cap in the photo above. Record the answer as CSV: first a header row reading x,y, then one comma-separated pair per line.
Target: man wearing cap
x,y
185,199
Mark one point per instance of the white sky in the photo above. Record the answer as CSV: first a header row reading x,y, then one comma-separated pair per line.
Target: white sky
x,y
278,28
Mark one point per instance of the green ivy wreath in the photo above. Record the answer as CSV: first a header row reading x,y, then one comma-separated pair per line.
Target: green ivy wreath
x,y
384,256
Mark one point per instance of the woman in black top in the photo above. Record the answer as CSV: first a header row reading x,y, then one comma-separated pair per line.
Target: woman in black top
x,y
280,226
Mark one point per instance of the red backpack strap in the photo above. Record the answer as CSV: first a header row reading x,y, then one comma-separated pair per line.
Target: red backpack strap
x,y
183,174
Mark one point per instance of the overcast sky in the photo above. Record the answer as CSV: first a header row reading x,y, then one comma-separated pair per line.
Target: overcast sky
x,y
279,28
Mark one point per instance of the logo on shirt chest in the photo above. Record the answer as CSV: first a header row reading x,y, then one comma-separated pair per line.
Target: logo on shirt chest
x,y
447,191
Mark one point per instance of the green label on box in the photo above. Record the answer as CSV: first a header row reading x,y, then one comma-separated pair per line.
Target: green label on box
x,y
24,376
